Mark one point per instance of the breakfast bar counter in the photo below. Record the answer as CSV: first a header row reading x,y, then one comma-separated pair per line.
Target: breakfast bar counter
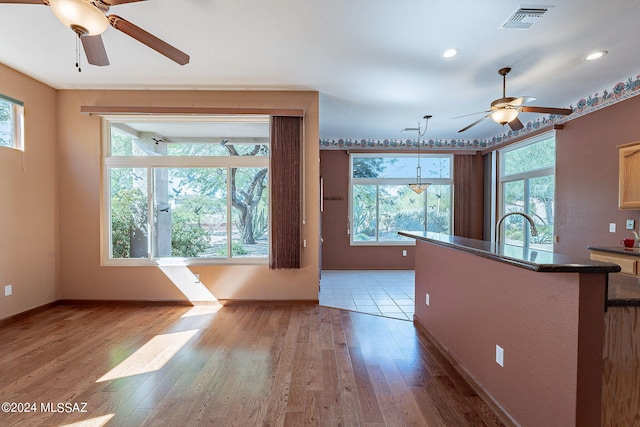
x,y
526,327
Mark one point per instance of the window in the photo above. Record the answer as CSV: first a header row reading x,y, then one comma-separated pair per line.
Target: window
x,y
527,184
11,123
381,203
183,189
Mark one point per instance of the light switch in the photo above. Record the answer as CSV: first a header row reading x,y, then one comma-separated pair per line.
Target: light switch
x,y
612,227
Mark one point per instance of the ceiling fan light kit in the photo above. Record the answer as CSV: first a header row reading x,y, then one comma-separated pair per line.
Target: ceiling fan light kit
x,y
80,16
504,116
505,110
89,19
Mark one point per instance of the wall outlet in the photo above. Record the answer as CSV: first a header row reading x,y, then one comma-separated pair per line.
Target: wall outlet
x,y
612,227
499,355
196,278
426,299
404,252
8,291
630,224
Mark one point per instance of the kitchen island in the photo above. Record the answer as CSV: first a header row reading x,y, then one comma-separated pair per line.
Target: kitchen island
x,y
525,326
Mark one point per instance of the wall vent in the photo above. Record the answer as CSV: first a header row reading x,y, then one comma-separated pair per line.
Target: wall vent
x,y
524,17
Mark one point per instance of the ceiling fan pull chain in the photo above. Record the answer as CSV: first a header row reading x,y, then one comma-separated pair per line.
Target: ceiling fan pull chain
x,y
78,54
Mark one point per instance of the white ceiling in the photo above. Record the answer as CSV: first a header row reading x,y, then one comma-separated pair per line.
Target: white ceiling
x,y
377,64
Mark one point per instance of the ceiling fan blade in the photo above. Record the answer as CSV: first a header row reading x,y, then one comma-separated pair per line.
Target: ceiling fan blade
x,y
522,100
516,124
474,123
117,2
472,114
23,1
149,39
547,110
95,51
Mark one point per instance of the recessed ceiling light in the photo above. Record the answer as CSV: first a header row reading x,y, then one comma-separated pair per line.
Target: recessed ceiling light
x,y
449,53
596,55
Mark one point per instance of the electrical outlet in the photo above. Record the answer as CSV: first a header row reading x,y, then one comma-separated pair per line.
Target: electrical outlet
x,y
630,224
196,278
404,252
499,355
612,227
8,291
426,299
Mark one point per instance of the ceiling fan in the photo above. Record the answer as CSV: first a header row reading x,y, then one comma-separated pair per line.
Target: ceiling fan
x,y
505,110
88,19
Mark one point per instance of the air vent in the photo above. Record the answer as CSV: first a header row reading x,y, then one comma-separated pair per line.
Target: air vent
x,y
524,18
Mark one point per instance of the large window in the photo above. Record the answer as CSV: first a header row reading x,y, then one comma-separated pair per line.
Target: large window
x,y
381,203
527,184
185,189
11,122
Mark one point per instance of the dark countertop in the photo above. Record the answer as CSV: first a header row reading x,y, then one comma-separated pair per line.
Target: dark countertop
x,y
616,250
531,259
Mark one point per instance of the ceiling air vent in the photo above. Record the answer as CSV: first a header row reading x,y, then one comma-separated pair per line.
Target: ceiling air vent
x,y
524,17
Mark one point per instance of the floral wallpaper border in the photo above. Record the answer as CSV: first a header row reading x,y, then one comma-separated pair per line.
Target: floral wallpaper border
x,y
601,99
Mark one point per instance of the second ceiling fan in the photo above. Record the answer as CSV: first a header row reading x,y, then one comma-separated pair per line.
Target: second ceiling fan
x,y
505,110
89,19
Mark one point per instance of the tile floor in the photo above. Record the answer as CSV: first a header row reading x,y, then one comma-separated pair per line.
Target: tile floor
x,y
388,293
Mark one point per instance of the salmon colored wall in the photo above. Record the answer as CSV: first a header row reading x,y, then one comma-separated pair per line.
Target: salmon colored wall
x,y
587,178
337,253
82,276
28,200
539,319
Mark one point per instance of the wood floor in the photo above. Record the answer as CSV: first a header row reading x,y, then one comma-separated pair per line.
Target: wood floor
x,y
254,365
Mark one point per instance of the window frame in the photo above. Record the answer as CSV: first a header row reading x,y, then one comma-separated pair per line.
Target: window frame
x,y
150,163
526,176
17,118
394,181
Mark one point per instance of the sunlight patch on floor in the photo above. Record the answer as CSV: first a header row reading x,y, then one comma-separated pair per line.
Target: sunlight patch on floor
x,y
150,357
200,310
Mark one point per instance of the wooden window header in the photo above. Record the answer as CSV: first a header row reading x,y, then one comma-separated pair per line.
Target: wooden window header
x,y
115,109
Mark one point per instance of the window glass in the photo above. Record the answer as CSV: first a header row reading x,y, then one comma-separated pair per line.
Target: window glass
x,y
530,157
401,166
200,199
128,213
383,204
11,123
219,138
528,185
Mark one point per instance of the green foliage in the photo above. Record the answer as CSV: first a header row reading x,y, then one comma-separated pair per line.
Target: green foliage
x,y
368,167
5,110
188,237
128,218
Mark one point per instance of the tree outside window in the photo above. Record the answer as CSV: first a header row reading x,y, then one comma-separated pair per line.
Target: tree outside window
x,y
382,203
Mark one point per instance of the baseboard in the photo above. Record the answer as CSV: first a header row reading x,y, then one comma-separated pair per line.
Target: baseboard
x,y
130,303
232,302
24,314
486,397
145,303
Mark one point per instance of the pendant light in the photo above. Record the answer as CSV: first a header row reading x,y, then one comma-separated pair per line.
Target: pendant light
x,y
419,186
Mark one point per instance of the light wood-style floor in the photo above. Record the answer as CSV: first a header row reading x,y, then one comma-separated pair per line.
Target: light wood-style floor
x,y
250,365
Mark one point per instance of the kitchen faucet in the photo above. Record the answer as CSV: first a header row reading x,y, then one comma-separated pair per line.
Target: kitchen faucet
x,y
534,230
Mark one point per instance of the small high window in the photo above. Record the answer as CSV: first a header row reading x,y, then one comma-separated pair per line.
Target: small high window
x,y
11,122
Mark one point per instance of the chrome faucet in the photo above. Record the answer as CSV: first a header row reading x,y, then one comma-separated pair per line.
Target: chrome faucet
x,y
534,230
